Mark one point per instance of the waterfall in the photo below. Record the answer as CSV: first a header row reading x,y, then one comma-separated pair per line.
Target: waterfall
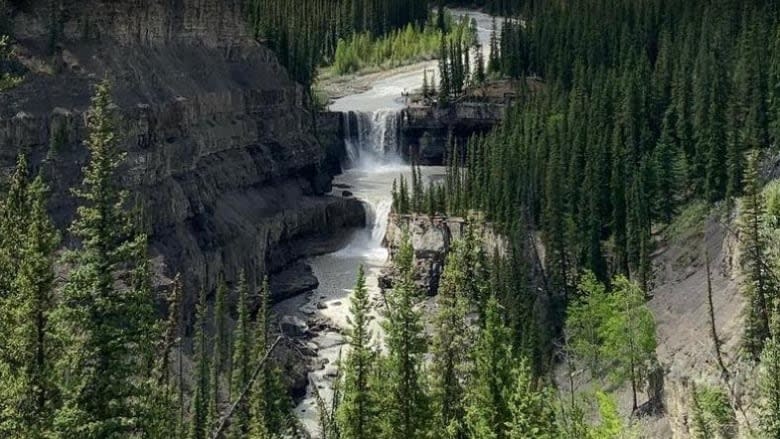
x,y
371,138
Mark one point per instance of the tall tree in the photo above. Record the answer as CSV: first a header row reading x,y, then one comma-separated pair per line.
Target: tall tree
x,y
451,343
13,220
757,285
531,409
769,385
241,364
109,324
406,405
357,409
200,423
27,386
490,384
220,349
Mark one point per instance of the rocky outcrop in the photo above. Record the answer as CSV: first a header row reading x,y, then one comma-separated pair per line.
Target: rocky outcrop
x,y
426,131
431,238
330,132
221,151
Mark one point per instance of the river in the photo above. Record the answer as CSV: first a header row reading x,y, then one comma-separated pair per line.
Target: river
x,y
371,118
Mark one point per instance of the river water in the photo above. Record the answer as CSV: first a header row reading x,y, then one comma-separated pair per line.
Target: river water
x,y
371,120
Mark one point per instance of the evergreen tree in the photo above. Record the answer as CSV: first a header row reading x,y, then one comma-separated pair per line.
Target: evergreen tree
x,y
357,409
488,411
445,80
13,221
241,364
269,402
406,405
531,409
27,387
109,327
220,349
200,423
451,342
769,385
757,285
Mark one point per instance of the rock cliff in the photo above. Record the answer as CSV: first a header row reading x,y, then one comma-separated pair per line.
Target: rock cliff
x,y
221,151
432,239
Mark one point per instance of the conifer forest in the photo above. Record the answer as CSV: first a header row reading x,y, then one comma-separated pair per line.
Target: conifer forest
x,y
390,219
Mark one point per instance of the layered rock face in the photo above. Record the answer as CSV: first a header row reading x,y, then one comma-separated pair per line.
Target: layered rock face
x,y
220,150
426,131
432,238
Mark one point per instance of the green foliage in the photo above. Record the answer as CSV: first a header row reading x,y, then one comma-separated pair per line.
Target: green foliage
x,y
357,409
108,328
712,414
758,285
585,321
532,411
305,34
9,76
451,342
27,387
610,424
491,382
270,406
769,386
406,404
613,333
241,364
200,422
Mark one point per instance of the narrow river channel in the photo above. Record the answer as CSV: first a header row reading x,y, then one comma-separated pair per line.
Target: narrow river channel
x,y
371,119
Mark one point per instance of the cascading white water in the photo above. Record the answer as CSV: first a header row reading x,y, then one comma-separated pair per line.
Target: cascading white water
x,y
372,162
371,138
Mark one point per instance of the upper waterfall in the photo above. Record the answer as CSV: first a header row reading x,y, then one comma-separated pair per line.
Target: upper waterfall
x,y
371,138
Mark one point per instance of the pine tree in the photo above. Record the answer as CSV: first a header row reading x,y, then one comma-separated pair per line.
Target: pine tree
x,y
27,386
445,80
173,386
109,327
769,385
220,349
487,403
494,60
757,286
13,222
479,72
241,364
531,409
451,343
270,406
200,423
406,404
357,409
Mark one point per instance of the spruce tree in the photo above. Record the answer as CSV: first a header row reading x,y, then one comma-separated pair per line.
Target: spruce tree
x,y
241,364
200,423
769,386
757,285
27,386
451,343
490,383
13,221
406,404
357,410
532,413
108,325
270,406
220,349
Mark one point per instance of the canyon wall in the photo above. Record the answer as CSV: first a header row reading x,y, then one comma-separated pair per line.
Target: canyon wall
x,y
221,151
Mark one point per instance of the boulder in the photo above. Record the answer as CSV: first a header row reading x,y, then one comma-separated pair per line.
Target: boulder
x,y
293,326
